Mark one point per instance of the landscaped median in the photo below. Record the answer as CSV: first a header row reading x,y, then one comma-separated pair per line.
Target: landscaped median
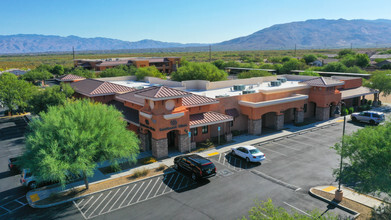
x,y
51,196
360,208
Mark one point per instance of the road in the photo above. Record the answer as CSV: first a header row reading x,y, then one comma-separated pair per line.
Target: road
x,y
293,166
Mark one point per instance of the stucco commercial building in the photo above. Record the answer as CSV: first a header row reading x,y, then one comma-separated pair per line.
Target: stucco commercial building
x,y
174,116
163,64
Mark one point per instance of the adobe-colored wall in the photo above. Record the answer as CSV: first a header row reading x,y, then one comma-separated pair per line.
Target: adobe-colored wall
x,y
352,83
140,63
133,128
324,96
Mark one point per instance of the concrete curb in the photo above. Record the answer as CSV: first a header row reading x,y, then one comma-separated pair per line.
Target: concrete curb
x,y
70,200
346,209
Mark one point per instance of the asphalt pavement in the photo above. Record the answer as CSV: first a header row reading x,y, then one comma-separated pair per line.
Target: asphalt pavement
x,y
294,164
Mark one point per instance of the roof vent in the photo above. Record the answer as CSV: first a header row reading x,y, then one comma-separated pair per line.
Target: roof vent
x,y
275,83
248,92
239,87
221,96
282,79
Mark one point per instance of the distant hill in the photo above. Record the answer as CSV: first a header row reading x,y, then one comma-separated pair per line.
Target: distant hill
x,y
317,34
33,43
310,34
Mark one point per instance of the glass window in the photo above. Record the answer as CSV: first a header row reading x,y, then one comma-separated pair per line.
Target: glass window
x,y
204,129
195,131
305,108
231,123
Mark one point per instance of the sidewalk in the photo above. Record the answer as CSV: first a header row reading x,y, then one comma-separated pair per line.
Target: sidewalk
x,y
36,195
357,204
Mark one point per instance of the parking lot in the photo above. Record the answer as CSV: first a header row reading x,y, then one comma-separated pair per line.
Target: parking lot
x,y
293,165
130,194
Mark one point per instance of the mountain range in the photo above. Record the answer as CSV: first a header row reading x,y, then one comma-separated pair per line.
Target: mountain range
x,y
310,34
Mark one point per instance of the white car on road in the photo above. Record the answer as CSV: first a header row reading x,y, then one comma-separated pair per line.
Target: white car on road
x,y
249,153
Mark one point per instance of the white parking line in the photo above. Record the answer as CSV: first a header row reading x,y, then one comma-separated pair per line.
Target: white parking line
x,y
157,179
297,209
136,193
80,202
119,197
79,210
159,187
5,208
168,183
127,195
87,202
183,177
144,191
20,202
110,200
174,183
93,203
99,203
220,156
224,158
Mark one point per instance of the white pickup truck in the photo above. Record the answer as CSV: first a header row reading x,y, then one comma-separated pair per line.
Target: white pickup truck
x,y
370,117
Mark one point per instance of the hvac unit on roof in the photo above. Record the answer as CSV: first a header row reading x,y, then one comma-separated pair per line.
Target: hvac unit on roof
x,y
282,79
239,87
248,92
275,83
221,96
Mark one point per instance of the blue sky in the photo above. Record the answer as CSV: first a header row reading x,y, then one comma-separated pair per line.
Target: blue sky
x,y
184,21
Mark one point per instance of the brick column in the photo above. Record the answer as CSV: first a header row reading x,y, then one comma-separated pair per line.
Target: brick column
x,y
143,141
322,114
255,126
159,148
183,143
299,117
279,122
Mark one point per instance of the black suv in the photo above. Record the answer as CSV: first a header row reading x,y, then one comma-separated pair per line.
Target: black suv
x,y
13,164
199,167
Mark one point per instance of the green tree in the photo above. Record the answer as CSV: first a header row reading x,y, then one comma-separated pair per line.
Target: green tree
x,y
79,71
292,64
345,52
219,64
266,210
308,58
367,159
199,71
253,73
121,70
36,75
149,71
309,73
381,213
362,60
15,93
335,67
267,66
380,80
349,60
58,70
73,138
51,96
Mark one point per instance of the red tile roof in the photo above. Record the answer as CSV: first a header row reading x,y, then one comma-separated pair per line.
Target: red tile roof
x,y
93,87
196,100
161,93
69,77
323,82
208,118
129,97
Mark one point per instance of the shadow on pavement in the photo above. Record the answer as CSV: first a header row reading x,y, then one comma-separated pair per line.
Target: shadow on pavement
x,y
239,162
180,181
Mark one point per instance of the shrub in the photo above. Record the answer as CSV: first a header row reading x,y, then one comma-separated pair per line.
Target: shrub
x,y
161,167
344,111
370,102
149,71
253,73
140,172
148,160
236,133
351,110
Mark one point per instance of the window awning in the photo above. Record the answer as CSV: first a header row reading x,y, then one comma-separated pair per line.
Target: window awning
x,y
208,118
357,92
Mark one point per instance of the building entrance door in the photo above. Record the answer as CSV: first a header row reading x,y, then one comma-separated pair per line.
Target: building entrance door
x,y
172,140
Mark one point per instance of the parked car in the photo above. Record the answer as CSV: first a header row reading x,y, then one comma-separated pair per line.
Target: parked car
x,y
249,153
27,179
370,117
199,166
13,164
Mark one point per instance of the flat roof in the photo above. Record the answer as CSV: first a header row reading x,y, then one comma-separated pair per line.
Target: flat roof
x,y
228,91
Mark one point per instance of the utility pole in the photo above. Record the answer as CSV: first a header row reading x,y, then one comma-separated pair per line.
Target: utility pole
x,y
210,53
295,50
73,51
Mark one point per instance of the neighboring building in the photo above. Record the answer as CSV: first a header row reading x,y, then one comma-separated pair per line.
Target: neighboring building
x,y
68,78
382,63
16,72
163,64
380,56
174,116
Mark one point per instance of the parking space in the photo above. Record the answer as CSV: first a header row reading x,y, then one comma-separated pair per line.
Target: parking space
x,y
130,194
13,205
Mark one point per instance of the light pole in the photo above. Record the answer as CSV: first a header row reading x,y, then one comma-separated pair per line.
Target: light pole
x,y
339,193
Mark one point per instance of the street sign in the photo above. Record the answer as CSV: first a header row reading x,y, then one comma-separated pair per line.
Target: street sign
x,y
218,128
189,134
